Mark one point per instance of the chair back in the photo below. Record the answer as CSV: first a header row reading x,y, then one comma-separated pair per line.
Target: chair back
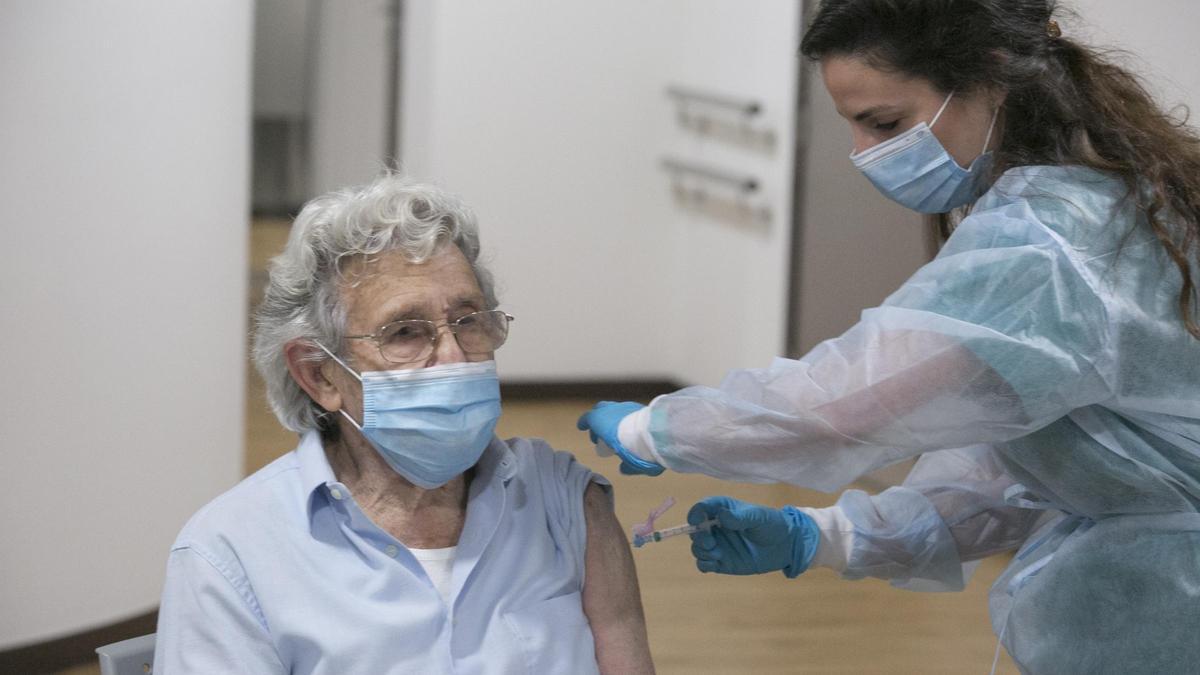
x,y
128,657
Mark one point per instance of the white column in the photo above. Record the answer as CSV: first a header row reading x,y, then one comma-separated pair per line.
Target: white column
x,y
124,128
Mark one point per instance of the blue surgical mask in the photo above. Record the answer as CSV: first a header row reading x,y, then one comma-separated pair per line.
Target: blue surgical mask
x,y
914,169
429,424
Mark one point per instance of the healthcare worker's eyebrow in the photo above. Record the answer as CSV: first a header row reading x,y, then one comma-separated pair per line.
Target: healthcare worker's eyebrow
x,y
869,112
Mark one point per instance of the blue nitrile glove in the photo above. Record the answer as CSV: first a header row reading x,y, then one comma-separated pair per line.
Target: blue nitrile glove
x,y
602,423
752,539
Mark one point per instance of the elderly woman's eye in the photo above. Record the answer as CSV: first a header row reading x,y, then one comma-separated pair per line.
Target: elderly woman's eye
x,y
404,332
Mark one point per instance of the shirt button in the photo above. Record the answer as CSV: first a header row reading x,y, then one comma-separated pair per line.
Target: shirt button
x,y
391,550
336,493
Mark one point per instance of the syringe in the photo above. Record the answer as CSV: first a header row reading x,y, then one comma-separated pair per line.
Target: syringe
x,y
640,540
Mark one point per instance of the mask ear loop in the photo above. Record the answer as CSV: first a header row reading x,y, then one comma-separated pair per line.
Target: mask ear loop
x,y
991,127
349,370
339,361
941,110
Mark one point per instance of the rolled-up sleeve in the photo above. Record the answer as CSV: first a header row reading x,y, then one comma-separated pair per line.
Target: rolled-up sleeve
x,y
563,482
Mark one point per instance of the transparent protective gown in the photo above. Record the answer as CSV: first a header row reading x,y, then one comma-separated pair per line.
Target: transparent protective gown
x,y
1041,365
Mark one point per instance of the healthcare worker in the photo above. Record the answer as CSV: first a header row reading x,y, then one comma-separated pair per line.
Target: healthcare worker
x,y
1045,366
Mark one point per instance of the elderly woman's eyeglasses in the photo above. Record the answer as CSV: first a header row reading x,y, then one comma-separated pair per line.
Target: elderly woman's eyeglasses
x,y
411,340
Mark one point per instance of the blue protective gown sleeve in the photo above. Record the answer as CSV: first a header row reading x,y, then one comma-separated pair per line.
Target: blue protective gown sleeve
x,y
923,534
1005,332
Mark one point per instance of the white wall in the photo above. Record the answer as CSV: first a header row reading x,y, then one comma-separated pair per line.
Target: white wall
x,y
349,95
1161,37
122,290
551,119
538,114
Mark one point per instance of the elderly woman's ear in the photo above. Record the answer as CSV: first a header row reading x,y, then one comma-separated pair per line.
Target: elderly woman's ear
x,y
310,373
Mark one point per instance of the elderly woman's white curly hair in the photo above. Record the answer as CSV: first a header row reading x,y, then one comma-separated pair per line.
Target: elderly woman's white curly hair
x,y
302,299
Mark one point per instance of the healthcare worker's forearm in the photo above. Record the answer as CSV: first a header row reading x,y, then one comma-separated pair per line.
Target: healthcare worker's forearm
x,y
967,487
926,533
837,537
896,535
634,434
867,399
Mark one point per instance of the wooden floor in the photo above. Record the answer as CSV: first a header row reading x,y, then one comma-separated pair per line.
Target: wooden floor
x,y
704,623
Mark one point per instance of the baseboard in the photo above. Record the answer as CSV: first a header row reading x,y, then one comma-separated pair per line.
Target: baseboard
x,y
73,650
597,390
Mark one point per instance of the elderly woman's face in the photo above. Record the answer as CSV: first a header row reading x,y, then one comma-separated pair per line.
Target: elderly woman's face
x,y
390,288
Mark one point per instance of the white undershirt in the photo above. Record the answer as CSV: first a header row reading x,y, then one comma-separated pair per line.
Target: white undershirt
x,y
438,564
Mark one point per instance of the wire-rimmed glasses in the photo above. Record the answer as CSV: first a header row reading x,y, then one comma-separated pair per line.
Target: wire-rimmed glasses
x,y
409,340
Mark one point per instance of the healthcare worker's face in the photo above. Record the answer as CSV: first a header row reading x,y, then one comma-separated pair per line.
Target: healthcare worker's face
x,y
880,104
390,288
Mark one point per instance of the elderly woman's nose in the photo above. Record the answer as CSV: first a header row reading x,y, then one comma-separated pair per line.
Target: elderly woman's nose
x,y
447,349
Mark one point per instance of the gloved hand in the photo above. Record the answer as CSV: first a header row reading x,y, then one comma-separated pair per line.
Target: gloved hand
x,y
752,539
602,423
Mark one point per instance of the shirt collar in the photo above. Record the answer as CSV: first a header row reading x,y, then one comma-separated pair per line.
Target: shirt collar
x,y
315,471
497,463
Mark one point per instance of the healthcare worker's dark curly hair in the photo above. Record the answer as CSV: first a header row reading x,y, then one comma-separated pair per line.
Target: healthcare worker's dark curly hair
x,y
1066,103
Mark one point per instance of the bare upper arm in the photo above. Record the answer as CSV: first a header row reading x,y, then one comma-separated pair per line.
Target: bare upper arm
x,y
611,599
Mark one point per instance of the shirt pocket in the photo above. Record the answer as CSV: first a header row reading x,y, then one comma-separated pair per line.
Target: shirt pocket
x,y
554,635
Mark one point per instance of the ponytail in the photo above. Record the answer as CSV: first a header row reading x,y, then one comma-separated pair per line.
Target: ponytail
x,y
1116,127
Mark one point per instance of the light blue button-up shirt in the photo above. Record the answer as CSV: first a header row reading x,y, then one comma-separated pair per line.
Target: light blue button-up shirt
x,y
285,574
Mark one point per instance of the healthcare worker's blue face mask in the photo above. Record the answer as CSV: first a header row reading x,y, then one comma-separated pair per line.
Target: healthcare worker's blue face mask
x,y
914,169
429,424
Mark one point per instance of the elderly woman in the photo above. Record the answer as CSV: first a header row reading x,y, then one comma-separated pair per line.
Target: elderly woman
x,y
400,536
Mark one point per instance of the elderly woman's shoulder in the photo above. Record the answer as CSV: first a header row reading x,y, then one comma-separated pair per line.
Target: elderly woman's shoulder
x,y
539,452
535,456
559,480
261,499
